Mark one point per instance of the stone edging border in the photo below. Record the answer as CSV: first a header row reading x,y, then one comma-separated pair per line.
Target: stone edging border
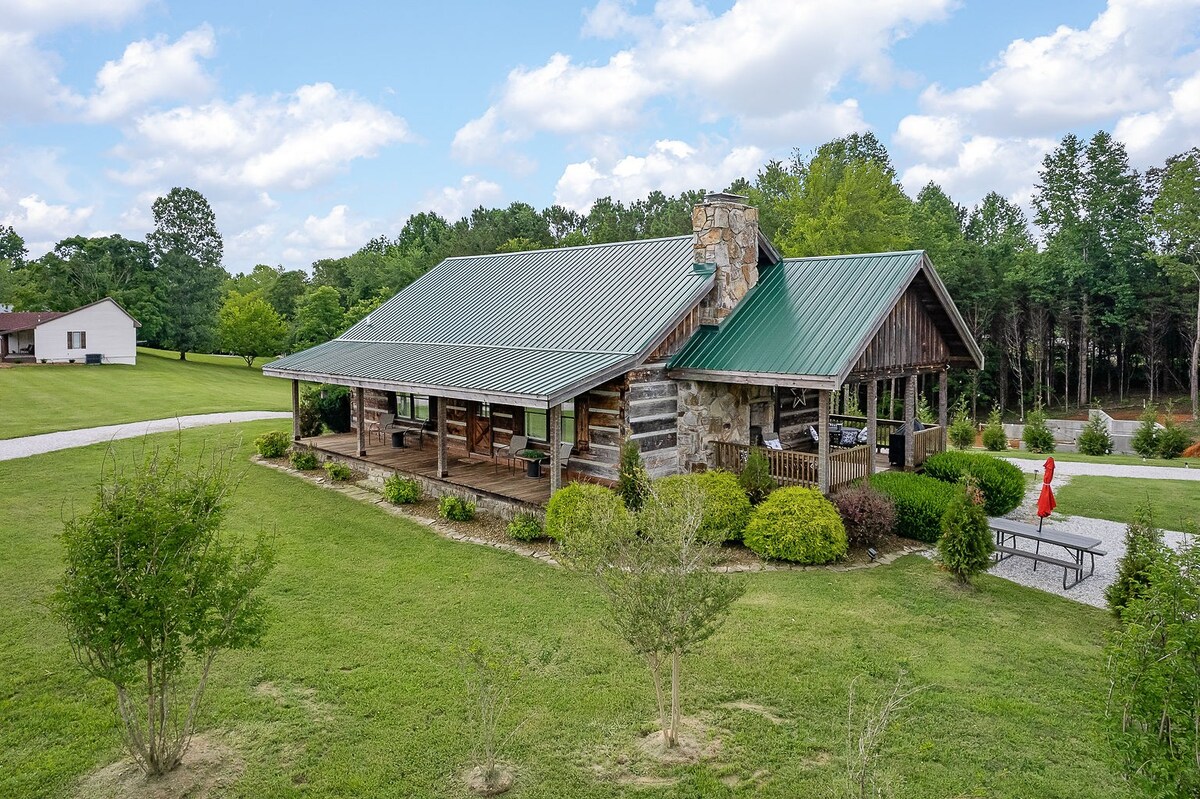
x,y
361,494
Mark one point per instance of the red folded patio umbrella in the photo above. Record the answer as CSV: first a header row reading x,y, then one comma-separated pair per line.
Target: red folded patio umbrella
x,y
1046,501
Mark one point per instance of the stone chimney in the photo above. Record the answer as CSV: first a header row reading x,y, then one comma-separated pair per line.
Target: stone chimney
x,y
725,235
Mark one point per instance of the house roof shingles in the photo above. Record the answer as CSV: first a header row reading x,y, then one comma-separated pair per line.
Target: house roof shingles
x,y
15,321
531,327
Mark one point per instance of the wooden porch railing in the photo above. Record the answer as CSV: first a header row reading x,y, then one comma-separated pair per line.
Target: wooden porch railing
x,y
925,443
792,468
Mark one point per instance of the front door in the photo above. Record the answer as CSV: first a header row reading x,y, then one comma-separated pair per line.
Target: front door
x,y
479,428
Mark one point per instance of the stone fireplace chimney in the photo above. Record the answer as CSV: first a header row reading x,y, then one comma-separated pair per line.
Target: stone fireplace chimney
x,y
725,234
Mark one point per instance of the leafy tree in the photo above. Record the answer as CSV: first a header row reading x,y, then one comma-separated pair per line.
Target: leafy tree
x,y
319,318
153,592
633,481
248,326
663,596
185,250
12,246
287,289
1154,701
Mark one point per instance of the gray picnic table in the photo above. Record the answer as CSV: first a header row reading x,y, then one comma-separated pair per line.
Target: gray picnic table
x,y
1075,547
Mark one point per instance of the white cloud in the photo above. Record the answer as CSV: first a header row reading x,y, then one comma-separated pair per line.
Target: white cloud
x,y
454,202
41,16
42,224
261,143
759,61
978,164
333,233
1155,135
30,87
670,166
1120,64
153,70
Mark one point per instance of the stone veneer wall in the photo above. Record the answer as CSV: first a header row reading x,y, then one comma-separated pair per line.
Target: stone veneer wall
x,y
726,236
714,412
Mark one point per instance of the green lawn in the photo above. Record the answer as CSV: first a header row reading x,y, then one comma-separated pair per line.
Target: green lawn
x,y
46,398
1116,498
365,698
1115,459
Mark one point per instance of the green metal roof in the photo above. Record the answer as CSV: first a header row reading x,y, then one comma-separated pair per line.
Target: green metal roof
x,y
531,327
810,317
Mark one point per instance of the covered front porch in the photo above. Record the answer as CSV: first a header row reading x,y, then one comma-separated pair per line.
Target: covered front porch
x,y
17,346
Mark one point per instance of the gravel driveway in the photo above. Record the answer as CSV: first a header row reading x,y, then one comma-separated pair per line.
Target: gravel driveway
x,y
11,448
1072,469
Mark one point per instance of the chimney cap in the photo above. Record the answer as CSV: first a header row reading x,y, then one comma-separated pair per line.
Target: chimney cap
x,y
724,197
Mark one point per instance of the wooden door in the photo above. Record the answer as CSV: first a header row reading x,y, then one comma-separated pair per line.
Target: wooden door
x,y
479,428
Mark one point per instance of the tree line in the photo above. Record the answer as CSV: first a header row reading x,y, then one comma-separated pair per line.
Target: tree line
x,y
1098,294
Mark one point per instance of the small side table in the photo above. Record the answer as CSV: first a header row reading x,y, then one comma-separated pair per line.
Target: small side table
x,y
398,438
533,466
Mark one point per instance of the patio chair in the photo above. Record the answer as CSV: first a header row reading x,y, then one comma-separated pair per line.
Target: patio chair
x,y
564,454
509,452
771,441
383,422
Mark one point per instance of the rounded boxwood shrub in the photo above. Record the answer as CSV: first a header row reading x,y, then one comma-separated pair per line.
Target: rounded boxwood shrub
x,y
726,508
1002,484
303,460
273,444
921,502
868,514
401,490
797,524
456,509
582,508
525,527
338,471
994,437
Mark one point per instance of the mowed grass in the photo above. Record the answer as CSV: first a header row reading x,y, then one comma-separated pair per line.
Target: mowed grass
x,y
1174,502
45,398
357,690
1115,459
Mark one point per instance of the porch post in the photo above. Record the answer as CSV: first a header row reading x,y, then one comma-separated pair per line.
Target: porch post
x,y
295,410
872,425
359,408
442,466
944,408
910,413
554,425
823,441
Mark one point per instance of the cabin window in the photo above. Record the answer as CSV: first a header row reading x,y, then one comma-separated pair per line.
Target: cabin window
x,y
404,406
535,423
420,407
77,340
483,410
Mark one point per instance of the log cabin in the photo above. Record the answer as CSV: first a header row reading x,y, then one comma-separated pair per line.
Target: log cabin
x,y
695,347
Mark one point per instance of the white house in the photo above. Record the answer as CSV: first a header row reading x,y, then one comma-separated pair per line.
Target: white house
x,y
102,331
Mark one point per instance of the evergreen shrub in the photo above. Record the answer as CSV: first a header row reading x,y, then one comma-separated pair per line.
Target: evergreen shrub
x,y
401,490
994,437
1002,484
725,506
920,502
273,444
798,525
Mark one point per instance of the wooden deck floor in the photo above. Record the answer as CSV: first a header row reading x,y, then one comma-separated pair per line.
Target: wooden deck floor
x,y
470,472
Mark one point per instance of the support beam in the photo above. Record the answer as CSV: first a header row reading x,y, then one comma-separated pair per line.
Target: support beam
x,y
823,442
554,433
359,413
295,410
443,469
872,425
944,409
910,413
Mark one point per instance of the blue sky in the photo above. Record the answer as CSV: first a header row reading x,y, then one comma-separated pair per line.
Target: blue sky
x,y
312,130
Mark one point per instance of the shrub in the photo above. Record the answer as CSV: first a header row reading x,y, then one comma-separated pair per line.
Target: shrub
x,y
338,471
1145,440
401,490
1037,435
797,524
965,547
1002,484
1143,548
633,483
867,514
272,444
962,429
303,460
582,508
525,527
925,411
456,509
1172,439
725,506
325,405
755,478
1094,439
920,502
994,437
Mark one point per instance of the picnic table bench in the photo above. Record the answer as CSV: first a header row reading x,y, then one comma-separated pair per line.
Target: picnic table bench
x,y
1076,547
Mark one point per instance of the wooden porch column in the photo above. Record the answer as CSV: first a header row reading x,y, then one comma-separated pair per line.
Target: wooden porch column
x,y
872,426
442,465
554,433
944,408
295,410
359,408
910,413
823,441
